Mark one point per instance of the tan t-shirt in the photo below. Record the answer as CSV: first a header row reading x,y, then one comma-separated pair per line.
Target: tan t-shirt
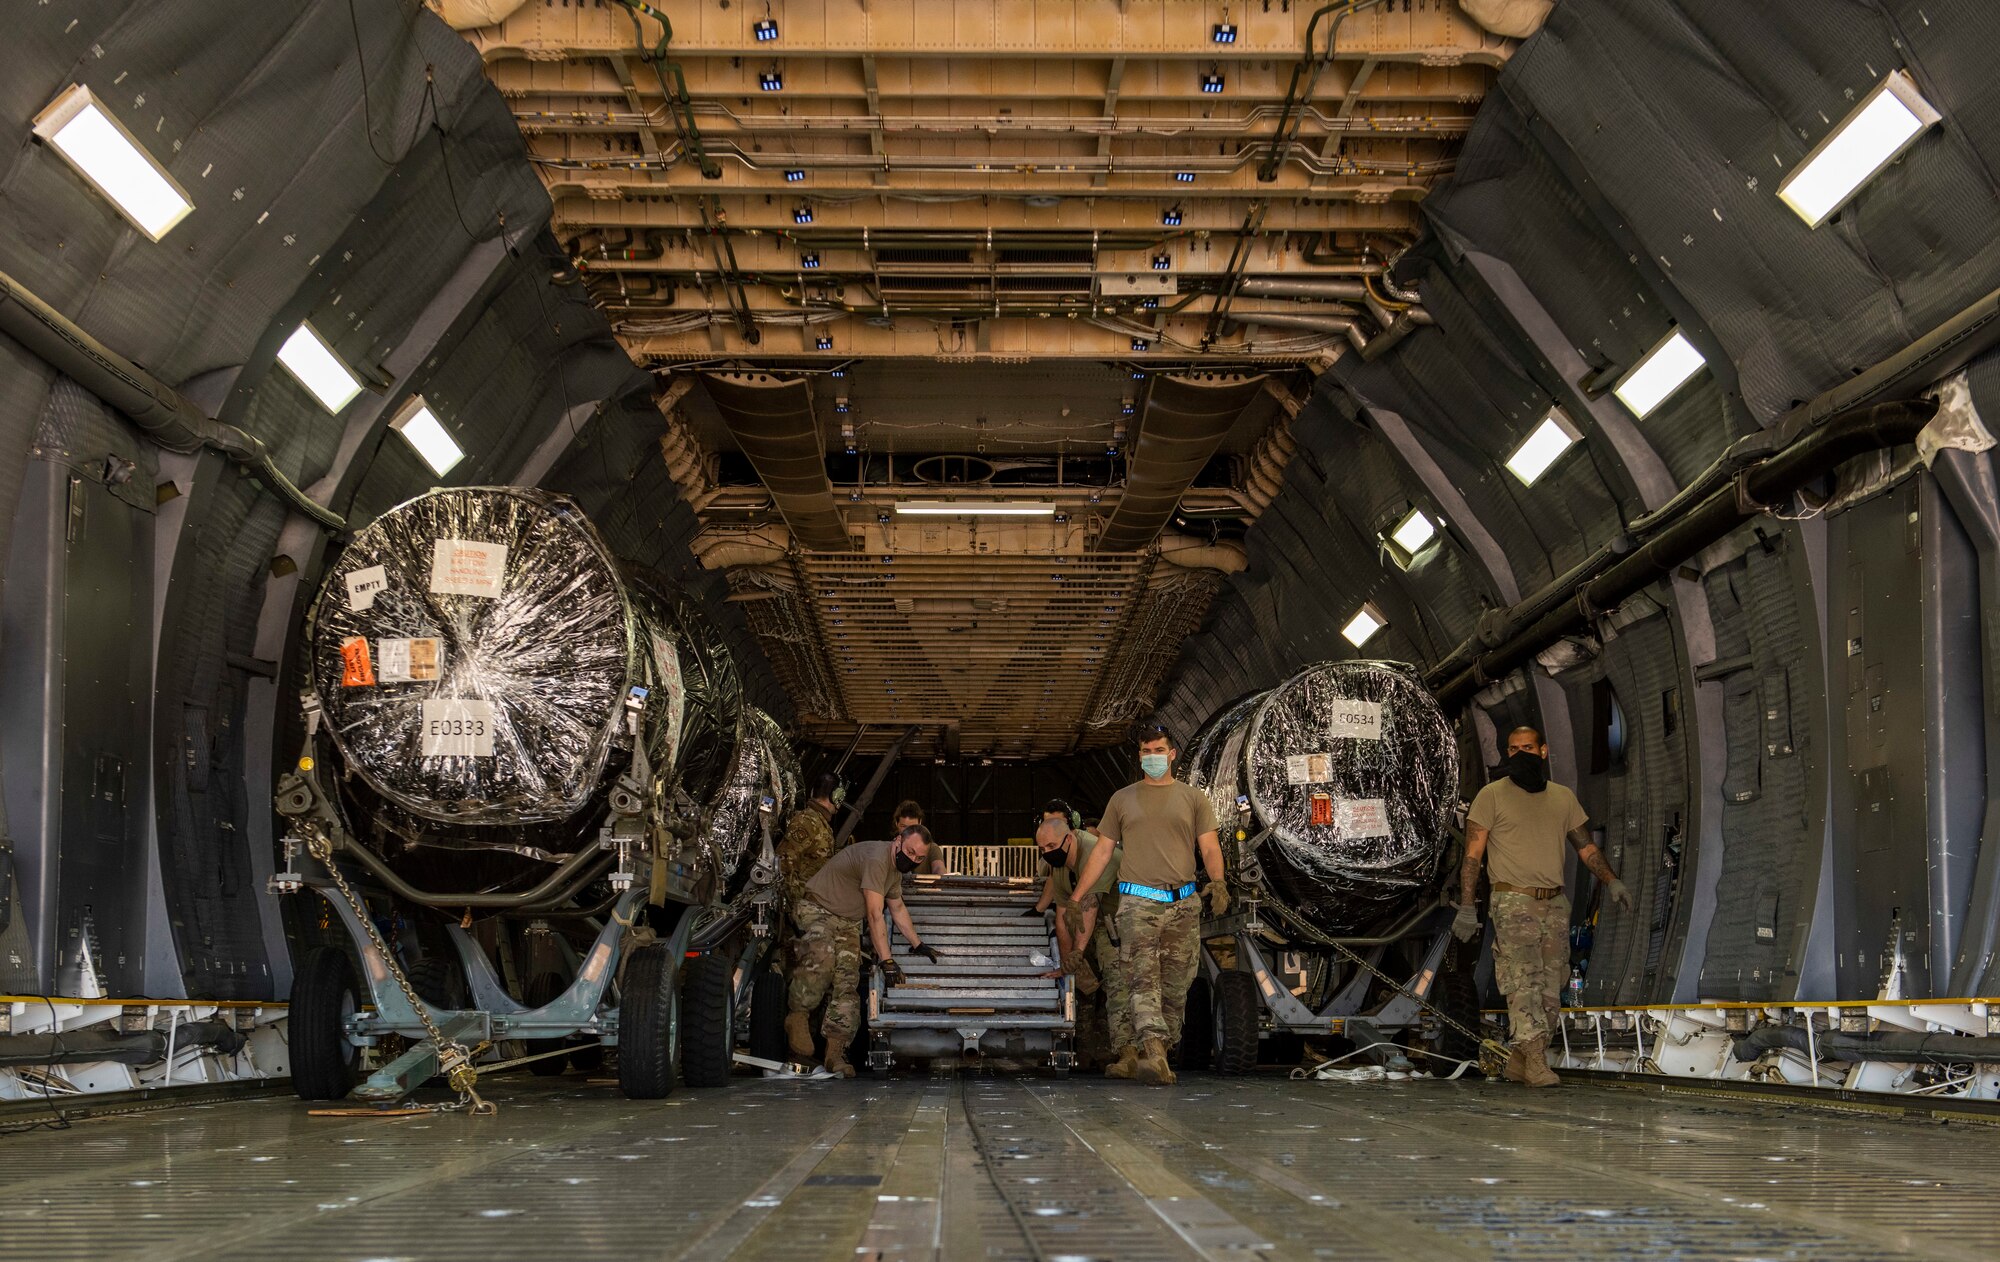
x,y
1155,826
864,865
1525,831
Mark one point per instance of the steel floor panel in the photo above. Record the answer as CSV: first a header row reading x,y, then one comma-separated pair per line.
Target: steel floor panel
x,y
1006,1168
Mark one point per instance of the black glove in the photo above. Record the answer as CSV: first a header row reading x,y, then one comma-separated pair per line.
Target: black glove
x,y
927,951
1036,912
892,973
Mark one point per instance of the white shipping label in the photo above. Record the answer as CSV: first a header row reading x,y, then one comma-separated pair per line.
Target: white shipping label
x,y
363,586
462,567
1358,720
1362,817
1308,768
407,661
458,728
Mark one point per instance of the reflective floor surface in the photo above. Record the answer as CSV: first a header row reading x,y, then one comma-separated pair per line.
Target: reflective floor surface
x,y
1004,1168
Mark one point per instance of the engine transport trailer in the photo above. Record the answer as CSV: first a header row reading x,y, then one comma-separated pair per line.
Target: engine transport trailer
x,y
1337,792
535,804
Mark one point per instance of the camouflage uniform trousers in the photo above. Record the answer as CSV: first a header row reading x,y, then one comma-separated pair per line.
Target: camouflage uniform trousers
x,y
1531,961
1112,992
826,964
1159,948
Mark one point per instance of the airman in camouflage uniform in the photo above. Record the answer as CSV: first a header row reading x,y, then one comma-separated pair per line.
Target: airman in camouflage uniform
x,y
808,840
1084,930
853,890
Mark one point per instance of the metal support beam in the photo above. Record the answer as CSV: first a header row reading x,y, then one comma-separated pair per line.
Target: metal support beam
x,y
860,803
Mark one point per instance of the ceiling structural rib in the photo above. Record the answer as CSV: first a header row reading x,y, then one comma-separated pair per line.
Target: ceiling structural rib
x,y
773,424
1180,431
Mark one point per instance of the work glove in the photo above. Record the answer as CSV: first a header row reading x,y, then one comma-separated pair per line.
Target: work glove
x,y
1072,919
892,973
928,951
1033,911
1078,967
1217,895
1465,925
1620,896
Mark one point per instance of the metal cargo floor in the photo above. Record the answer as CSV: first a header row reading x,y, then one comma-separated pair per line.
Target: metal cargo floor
x,y
1006,1168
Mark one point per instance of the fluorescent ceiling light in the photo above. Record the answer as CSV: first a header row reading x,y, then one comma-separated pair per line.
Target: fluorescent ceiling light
x,y
307,356
1875,133
1660,372
1363,626
1413,532
104,153
974,508
1534,456
421,428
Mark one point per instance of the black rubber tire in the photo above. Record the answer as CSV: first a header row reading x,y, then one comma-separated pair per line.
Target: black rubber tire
x,y
440,982
708,1020
648,1026
768,1004
543,988
1197,1048
323,994
1238,1011
1455,994
587,1059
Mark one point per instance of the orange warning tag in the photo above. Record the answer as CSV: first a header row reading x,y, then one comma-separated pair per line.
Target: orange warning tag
x,y
1322,808
356,671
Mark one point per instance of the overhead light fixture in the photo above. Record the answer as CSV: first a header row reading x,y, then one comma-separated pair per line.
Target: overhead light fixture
x,y
809,260
765,29
1414,531
1127,407
1141,344
1184,177
1875,133
1550,439
1225,33
838,372
1171,217
824,343
421,428
92,140
307,356
794,177
1147,304
1211,82
803,214
1161,262
840,405
1659,372
1363,626
771,81
974,508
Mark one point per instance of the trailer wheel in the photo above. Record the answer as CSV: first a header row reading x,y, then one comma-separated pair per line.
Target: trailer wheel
x,y
768,1005
708,1008
1238,1012
648,1025
544,989
323,997
1198,1026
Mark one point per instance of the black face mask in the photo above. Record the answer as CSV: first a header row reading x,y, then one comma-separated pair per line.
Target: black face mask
x,y
1056,858
904,863
1528,771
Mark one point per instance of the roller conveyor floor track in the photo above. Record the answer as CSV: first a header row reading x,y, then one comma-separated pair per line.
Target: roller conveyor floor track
x,y
1002,1168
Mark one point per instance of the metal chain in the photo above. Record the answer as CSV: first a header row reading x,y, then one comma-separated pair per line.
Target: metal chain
x,y
454,1059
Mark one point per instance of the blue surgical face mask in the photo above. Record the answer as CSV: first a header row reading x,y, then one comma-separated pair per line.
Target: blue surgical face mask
x,y
1154,765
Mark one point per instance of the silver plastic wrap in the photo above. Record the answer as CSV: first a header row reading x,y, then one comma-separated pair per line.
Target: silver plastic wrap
x,y
1353,770
764,767
473,649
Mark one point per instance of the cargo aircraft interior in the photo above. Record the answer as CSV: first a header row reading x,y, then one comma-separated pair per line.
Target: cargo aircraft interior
x,y
999,629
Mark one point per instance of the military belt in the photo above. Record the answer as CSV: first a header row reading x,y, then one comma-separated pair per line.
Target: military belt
x,y
1156,895
1540,893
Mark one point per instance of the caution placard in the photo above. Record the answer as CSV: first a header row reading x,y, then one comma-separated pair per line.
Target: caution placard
x,y
465,567
356,671
1362,817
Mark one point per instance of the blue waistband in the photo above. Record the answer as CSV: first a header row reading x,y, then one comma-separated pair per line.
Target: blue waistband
x,y
1157,895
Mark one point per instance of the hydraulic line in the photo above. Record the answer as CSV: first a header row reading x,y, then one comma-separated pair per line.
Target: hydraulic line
x,y
1292,114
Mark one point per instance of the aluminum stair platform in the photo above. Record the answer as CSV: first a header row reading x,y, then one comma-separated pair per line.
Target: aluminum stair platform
x,y
986,997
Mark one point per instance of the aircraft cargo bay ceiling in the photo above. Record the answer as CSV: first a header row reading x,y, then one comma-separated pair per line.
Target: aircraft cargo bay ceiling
x,y
978,326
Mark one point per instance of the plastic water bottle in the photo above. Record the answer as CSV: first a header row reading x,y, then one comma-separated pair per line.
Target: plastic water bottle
x,y
1573,993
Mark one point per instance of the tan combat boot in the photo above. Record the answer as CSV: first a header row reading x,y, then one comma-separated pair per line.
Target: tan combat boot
x,y
1516,1070
799,1035
1127,1064
1152,1068
1535,1069
836,1062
